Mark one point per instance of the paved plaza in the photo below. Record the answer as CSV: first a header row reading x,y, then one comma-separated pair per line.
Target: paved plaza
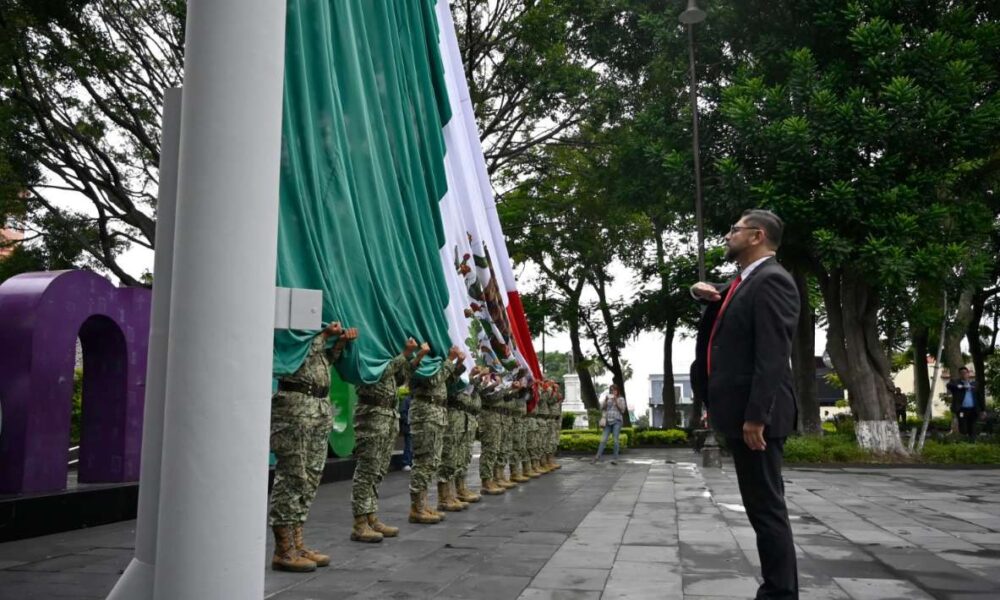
x,y
654,526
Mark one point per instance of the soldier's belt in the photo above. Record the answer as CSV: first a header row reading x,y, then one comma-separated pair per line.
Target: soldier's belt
x,y
303,388
463,408
498,409
428,400
376,402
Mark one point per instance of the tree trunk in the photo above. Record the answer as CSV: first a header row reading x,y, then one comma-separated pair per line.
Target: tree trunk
x,y
804,360
852,307
956,331
613,360
587,391
976,345
921,378
668,396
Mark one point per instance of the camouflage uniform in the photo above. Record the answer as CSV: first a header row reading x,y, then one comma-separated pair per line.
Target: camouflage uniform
x,y
473,408
452,451
376,425
428,420
538,428
555,409
520,427
508,428
301,422
491,433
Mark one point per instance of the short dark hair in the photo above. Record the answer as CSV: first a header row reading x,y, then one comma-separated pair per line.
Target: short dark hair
x,y
770,223
960,369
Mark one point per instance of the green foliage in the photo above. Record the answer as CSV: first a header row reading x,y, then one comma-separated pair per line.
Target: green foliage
x,y
594,419
961,453
829,427
588,442
76,414
825,448
568,419
660,437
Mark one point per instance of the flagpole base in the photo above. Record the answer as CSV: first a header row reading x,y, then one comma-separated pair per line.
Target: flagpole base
x,y
136,583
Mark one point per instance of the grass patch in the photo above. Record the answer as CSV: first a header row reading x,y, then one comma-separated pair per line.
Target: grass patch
x,y
588,442
843,448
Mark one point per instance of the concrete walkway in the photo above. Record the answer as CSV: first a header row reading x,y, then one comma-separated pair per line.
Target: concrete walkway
x,y
653,526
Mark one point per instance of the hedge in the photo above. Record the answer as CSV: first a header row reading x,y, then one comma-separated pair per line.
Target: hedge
x,y
659,437
843,448
588,442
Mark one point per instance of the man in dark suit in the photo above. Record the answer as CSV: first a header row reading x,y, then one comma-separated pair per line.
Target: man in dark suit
x,y
743,371
966,406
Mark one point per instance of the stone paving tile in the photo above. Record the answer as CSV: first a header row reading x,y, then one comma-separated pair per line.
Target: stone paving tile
x,y
646,528
881,589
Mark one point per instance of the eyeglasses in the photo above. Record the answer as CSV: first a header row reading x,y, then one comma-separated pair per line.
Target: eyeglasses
x,y
737,228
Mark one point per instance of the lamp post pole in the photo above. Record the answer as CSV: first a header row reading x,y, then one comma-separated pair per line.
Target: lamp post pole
x,y
690,17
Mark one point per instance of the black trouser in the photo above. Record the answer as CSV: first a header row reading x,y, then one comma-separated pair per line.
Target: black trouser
x,y
967,422
763,492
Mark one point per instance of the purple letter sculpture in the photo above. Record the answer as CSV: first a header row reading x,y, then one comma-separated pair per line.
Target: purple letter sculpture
x,y
41,316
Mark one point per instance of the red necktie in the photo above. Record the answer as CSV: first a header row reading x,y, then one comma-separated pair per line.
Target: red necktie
x,y
718,317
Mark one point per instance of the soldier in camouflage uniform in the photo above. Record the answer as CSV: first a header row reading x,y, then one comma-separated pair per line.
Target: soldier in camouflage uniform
x,y
473,408
376,425
490,434
520,421
541,429
301,421
428,420
452,451
507,426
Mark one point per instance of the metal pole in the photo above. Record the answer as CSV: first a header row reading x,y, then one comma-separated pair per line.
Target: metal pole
x,y
699,218
136,583
213,485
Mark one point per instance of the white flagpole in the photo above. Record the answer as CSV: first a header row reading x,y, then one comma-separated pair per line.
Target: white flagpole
x,y
213,485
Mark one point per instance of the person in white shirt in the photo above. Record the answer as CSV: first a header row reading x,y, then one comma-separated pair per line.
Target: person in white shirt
x,y
612,410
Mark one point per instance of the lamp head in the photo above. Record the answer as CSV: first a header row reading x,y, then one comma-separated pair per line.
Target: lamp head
x,y
692,14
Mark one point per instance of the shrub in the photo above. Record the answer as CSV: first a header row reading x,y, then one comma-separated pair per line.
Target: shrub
x,y
844,424
593,418
964,453
829,427
826,448
657,437
587,442
76,411
567,420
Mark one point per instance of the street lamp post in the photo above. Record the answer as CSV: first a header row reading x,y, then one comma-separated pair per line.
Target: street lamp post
x,y
690,17
710,453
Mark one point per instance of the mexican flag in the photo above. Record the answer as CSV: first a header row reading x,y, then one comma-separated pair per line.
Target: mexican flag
x,y
385,203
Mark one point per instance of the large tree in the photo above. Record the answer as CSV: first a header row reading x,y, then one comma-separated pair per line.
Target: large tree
x,y
81,83
866,126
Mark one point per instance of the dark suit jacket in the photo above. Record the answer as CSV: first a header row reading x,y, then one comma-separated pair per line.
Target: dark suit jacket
x,y
751,377
957,390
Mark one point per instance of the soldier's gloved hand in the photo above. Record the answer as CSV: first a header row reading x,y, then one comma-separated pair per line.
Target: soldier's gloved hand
x,y
351,334
425,348
335,329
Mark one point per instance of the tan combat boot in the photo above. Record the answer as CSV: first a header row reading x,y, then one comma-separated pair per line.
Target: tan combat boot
x,y
553,464
464,493
515,473
417,512
321,560
429,508
446,501
491,488
503,481
362,531
541,466
286,557
530,470
379,526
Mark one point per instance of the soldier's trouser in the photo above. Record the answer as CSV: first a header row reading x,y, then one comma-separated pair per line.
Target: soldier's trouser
x,y
554,435
300,428
521,441
535,438
491,441
427,425
472,425
452,453
508,440
374,437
